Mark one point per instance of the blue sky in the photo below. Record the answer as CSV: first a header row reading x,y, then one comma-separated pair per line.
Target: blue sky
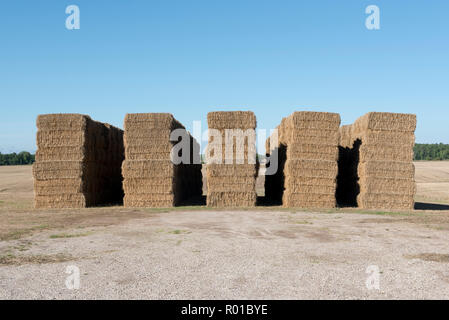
x,y
191,57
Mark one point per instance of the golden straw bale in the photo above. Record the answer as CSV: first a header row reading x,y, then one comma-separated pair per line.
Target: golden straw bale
x,y
231,170
246,180
151,134
313,180
310,151
144,203
137,121
63,138
58,204
231,120
382,165
148,169
77,162
149,187
62,121
168,196
307,150
389,121
59,186
388,185
231,199
231,187
232,184
308,200
151,179
325,138
387,169
386,153
300,165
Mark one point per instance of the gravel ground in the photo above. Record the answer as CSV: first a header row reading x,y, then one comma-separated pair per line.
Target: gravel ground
x,y
232,255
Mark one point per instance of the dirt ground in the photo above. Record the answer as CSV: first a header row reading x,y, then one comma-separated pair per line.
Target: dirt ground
x,y
198,253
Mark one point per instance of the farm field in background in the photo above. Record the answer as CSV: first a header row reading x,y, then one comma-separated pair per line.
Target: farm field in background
x,y
432,181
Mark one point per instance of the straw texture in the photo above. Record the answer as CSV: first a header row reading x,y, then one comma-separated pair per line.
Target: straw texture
x,y
382,165
307,160
77,162
231,180
151,179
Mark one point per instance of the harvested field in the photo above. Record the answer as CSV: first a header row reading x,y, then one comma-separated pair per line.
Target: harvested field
x,y
307,149
231,159
211,253
375,168
151,178
77,162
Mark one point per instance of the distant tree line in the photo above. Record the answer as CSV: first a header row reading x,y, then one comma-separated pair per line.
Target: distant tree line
x,y
12,159
436,151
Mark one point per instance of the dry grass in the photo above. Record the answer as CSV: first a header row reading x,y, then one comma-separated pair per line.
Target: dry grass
x,y
68,235
433,257
10,259
432,180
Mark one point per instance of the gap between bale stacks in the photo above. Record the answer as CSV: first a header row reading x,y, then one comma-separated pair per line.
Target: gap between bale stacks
x,y
231,178
376,162
151,179
307,154
78,162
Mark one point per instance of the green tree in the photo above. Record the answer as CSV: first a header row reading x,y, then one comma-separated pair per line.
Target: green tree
x,y
21,158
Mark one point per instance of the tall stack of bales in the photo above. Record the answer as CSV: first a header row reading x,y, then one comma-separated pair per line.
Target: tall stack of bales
x,y
383,165
231,182
151,178
78,162
308,153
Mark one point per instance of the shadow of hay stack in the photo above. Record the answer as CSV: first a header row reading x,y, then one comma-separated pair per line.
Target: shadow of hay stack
x,y
151,179
431,206
348,187
384,164
77,162
232,183
307,169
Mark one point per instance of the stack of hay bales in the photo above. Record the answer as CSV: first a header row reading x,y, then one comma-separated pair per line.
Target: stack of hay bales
x,y
308,153
151,179
384,165
231,182
78,162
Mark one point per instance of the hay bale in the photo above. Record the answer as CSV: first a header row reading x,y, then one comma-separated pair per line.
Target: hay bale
x,y
222,120
77,162
151,179
231,198
382,168
231,180
307,153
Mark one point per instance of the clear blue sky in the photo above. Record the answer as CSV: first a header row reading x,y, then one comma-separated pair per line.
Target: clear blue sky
x,y
189,57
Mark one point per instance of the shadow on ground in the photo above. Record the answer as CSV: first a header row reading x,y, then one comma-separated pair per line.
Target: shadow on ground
x,y
431,206
194,201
